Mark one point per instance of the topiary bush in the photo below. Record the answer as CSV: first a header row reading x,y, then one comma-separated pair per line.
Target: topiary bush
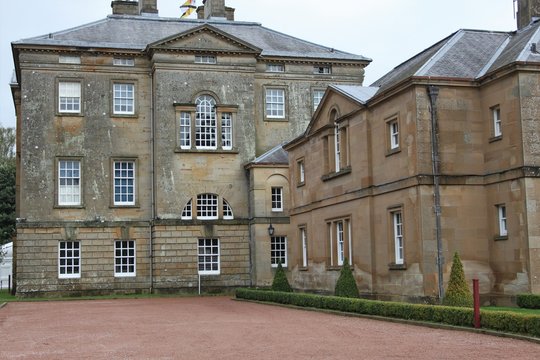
x,y
346,284
458,293
280,282
528,301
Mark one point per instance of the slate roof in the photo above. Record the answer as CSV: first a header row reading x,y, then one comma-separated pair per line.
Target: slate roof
x,y
136,32
467,54
358,93
276,155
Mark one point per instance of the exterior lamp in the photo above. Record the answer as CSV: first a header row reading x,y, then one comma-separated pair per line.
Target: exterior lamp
x,y
270,230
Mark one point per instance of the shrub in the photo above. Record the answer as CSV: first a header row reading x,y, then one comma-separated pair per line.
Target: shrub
x,y
346,284
458,293
280,282
528,301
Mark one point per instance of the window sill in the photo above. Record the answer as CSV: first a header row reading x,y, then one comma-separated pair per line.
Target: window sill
x,y
124,206
334,175
283,119
124,116
500,237
391,152
66,114
68,207
301,184
206,151
333,268
303,268
394,266
495,138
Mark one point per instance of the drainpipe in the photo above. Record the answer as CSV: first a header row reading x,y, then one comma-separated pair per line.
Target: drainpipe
x,y
433,92
152,182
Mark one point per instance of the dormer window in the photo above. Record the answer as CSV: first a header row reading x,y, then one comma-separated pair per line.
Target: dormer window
x,y
205,59
322,70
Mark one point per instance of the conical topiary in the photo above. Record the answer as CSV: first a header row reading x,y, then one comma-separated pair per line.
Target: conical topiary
x,y
346,284
458,293
280,282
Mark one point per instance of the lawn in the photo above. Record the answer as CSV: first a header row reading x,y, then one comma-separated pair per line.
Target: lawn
x,y
512,309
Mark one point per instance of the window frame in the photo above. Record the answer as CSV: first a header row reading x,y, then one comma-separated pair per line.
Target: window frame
x,y
278,250
275,68
335,233
212,254
316,99
304,245
69,59
133,99
227,212
393,135
124,61
497,121
58,178
276,198
119,260
322,69
65,112
301,172
281,108
205,59
134,202
203,201
398,237
502,220
73,258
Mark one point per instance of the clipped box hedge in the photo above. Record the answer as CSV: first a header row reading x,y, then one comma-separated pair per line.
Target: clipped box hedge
x,y
528,301
457,316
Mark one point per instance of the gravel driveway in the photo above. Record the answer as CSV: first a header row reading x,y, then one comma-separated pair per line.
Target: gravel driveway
x,y
221,328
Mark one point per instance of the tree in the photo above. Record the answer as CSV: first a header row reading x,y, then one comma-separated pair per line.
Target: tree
x,y
7,184
458,293
346,284
280,282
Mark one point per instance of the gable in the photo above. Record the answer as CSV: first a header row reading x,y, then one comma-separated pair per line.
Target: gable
x,y
205,38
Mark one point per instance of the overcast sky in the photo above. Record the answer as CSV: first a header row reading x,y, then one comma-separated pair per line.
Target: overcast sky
x,y
387,31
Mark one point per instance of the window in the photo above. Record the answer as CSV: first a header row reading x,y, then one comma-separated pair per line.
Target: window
x,y
208,252
303,239
226,131
185,130
69,259
205,59
278,250
301,172
497,125
124,99
69,97
227,211
123,62
326,70
277,199
124,258
205,123
187,212
340,241
275,103
124,183
317,97
501,210
393,131
275,68
337,148
397,222
69,182
207,206
69,59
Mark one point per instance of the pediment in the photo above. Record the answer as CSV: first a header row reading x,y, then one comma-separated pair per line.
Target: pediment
x,y
204,38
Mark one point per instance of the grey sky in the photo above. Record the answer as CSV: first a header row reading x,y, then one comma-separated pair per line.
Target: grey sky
x,y
387,31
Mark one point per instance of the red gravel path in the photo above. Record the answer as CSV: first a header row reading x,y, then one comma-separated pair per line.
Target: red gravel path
x,y
220,328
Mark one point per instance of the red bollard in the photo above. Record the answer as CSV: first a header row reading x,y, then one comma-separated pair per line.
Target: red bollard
x,y
476,297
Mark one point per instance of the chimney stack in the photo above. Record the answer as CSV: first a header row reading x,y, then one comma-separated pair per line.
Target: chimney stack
x,y
134,7
528,10
215,9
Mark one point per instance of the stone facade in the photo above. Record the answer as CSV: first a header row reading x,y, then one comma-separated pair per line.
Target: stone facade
x,y
159,118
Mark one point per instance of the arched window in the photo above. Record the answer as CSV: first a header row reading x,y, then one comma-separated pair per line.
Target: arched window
x,y
207,207
187,212
227,211
205,123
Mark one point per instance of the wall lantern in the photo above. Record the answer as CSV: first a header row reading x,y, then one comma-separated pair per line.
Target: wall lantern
x,y
271,230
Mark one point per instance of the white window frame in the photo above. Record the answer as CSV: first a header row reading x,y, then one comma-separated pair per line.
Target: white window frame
x,y
184,129
69,59
399,246
187,212
206,123
227,210
393,130
301,171
125,258
340,234
303,239
124,179
322,70
340,241
502,220
69,182
209,257
277,198
226,131
337,148
207,206
69,259
317,97
69,97
278,251
205,59
275,68
123,61
123,98
497,121
275,103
